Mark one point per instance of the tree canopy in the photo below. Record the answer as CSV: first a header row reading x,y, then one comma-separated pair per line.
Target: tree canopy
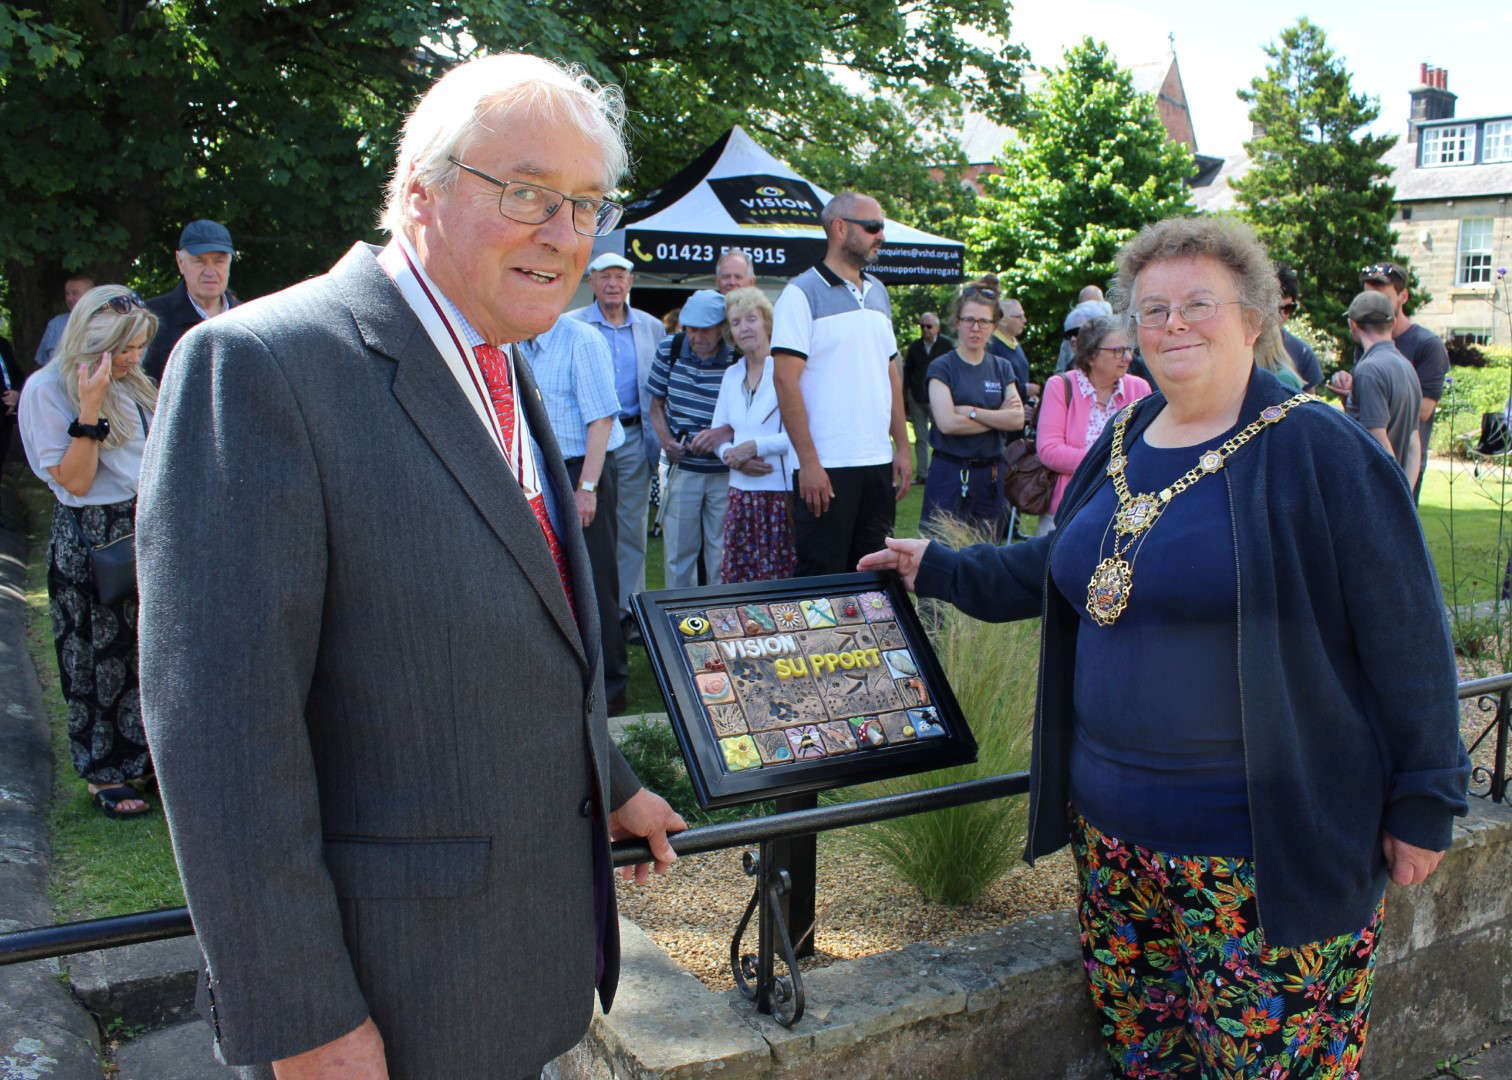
x,y
1089,166
134,117
1316,192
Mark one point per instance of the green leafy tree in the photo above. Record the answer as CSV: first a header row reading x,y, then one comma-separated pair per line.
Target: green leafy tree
x,y
1089,166
280,119
1316,191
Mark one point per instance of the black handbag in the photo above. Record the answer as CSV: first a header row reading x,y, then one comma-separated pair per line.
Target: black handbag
x,y
113,564
114,569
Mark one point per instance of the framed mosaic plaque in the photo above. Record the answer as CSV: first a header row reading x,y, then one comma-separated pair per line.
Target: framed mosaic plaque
x,y
780,687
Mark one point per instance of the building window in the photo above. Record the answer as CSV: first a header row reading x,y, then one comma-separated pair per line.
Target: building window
x,y
1474,260
1470,337
1452,145
1496,144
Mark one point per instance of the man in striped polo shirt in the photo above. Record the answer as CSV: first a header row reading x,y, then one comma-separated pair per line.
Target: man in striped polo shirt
x,y
684,385
841,392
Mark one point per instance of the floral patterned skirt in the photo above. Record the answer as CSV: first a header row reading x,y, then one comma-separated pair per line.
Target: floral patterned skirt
x,y
97,648
758,537
1185,986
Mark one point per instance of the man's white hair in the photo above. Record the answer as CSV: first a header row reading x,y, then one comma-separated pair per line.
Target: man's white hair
x,y
461,104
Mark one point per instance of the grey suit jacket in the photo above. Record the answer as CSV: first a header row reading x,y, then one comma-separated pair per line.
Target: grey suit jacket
x,y
378,729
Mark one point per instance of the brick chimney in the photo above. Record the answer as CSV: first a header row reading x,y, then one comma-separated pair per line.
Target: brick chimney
x,y
1431,100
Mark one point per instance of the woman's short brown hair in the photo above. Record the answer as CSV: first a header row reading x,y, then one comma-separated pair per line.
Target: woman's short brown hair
x,y
1231,242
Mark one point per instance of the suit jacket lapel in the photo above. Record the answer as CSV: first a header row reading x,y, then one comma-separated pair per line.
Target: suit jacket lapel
x,y
426,390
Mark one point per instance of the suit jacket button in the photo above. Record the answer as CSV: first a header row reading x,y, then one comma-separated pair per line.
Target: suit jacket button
x,y
587,808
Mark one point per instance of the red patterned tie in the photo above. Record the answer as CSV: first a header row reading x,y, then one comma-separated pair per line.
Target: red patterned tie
x,y
495,367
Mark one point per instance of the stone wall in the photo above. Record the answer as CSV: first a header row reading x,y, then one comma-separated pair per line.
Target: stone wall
x,y
1011,1003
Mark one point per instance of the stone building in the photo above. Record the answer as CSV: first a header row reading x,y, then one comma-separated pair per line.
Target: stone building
x,y
1453,178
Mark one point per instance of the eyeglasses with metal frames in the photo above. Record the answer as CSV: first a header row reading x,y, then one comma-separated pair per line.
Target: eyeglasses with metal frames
x,y
1121,350
1199,310
534,204
975,323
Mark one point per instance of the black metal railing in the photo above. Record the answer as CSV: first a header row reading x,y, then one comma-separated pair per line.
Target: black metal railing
x,y
108,933
1493,695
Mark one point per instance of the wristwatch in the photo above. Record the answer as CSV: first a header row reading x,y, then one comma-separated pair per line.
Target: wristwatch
x,y
972,414
99,431
589,486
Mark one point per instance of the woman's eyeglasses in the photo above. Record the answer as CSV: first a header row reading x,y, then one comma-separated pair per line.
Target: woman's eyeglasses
x,y
122,305
975,323
1121,350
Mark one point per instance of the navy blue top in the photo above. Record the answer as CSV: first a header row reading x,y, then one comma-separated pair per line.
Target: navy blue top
x,y
1158,752
982,385
1346,669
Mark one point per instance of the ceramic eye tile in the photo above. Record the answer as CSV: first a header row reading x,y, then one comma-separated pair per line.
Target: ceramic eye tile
x,y
788,616
806,742
847,610
876,607
757,620
726,622
715,689
900,663
693,626
888,635
837,737
926,723
773,747
727,720
817,613
740,753
899,727
868,731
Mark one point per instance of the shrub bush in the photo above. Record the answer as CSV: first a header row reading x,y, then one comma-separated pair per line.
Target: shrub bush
x,y
953,856
652,751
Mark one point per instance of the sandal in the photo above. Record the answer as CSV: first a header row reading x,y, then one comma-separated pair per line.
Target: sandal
x,y
110,798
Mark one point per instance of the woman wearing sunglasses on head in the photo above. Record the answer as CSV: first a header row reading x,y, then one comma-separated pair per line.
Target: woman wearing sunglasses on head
x,y
84,421
973,400
1079,402
1247,721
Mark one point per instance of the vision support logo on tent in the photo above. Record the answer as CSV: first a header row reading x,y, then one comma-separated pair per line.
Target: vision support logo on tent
x,y
759,201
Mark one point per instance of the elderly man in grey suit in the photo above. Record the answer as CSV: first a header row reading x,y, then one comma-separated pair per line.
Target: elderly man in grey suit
x,y
369,648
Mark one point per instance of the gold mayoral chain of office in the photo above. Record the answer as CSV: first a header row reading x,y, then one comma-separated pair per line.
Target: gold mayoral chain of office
x,y
1113,580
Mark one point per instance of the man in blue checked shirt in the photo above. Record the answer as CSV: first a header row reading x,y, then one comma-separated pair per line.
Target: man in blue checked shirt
x,y
575,372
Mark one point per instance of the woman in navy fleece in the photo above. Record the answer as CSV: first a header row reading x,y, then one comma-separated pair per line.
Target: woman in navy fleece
x,y
1247,718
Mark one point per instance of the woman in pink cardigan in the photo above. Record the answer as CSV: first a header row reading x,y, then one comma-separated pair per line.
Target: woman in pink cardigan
x,y
1098,384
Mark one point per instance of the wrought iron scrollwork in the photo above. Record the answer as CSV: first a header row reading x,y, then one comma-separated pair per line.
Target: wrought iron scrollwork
x,y
755,973
1491,782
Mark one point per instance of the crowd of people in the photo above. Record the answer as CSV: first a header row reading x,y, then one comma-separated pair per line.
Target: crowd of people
x,y
345,703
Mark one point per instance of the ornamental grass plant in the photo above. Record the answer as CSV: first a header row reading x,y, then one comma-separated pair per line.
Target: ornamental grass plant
x,y
953,856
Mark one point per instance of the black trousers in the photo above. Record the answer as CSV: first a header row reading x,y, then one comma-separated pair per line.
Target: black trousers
x,y
602,538
859,517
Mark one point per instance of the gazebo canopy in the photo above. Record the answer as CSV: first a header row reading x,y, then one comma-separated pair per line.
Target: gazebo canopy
x,y
735,194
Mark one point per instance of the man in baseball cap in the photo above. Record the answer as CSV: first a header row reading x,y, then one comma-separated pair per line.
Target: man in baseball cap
x,y
1423,348
1382,393
204,263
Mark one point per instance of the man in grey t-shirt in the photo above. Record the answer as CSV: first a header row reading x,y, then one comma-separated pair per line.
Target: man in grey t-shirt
x,y
1384,395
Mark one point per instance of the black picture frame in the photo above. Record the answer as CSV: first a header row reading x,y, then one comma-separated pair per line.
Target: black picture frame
x,y
903,749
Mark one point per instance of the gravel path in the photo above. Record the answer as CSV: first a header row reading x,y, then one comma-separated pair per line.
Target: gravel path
x,y
862,907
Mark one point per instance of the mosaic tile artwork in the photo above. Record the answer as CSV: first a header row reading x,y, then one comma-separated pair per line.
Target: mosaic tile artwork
x,y
794,681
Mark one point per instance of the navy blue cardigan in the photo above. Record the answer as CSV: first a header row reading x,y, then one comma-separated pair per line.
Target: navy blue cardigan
x,y
1345,663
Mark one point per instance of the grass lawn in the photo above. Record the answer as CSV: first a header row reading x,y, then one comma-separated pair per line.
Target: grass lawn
x,y
1462,511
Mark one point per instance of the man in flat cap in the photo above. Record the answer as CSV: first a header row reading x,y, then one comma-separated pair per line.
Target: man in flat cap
x,y
204,263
